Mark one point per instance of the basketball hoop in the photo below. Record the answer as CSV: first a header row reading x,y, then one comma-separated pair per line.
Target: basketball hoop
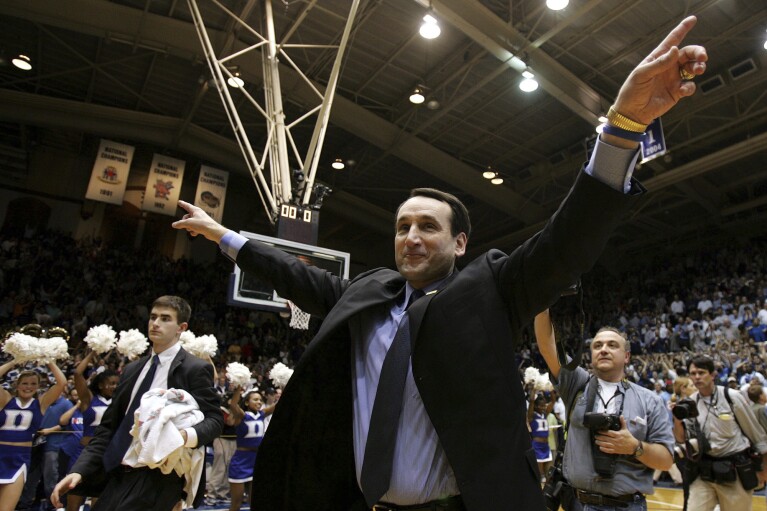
x,y
298,318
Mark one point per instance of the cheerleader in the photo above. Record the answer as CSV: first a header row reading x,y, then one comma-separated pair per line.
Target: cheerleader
x,y
250,432
94,397
537,413
20,417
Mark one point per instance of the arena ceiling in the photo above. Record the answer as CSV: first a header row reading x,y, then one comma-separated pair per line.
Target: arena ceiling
x,y
133,71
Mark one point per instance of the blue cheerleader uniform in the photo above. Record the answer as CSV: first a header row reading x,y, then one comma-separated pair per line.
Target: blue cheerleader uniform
x,y
539,428
93,414
18,423
250,432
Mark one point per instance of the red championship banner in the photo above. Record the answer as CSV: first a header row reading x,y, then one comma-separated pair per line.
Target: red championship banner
x,y
211,192
110,173
163,185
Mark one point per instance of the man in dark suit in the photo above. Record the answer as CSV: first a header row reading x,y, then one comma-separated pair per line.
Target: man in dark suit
x,y
168,366
459,440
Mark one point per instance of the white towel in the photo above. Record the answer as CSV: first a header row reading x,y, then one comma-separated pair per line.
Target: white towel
x,y
157,441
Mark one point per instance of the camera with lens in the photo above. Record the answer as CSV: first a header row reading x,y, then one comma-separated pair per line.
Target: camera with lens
x,y
685,409
602,421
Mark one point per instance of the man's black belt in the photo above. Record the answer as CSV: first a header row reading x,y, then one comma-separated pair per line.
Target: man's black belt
x,y
597,499
449,504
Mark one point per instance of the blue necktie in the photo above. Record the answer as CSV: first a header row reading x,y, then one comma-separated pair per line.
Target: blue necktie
x,y
121,440
387,407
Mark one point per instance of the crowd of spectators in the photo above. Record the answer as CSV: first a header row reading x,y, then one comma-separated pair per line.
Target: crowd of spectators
x,y
712,302
52,280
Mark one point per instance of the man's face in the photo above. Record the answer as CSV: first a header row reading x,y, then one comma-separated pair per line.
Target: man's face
x,y
702,379
164,328
424,248
609,355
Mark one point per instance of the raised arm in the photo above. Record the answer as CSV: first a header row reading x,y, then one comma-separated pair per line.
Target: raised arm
x,y
5,396
53,393
81,384
546,340
235,418
531,407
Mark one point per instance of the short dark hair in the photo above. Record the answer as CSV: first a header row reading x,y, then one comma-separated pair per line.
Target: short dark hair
x,y
702,362
460,223
178,304
95,383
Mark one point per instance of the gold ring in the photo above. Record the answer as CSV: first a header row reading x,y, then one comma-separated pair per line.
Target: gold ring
x,y
685,74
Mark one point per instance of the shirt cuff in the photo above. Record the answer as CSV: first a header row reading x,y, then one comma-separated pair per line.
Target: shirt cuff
x,y
231,243
191,438
612,165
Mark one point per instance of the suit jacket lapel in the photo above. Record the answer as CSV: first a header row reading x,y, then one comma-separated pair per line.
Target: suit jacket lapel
x,y
175,364
417,311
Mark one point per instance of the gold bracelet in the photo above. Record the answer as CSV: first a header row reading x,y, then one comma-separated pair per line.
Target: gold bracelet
x,y
623,122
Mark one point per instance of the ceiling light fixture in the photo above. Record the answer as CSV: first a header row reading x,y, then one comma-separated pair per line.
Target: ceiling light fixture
x,y
528,84
557,5
429,28
22,62
599,128
489,173
602,119
338,164
417,96
497,180
235,81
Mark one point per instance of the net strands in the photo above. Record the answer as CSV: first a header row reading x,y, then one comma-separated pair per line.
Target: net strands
x,y
298,318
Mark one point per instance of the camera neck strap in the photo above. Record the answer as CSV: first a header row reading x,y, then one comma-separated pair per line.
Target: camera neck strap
x,y
604,464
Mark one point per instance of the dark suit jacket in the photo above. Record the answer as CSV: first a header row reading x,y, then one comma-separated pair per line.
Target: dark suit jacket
x,y
463,363
186,372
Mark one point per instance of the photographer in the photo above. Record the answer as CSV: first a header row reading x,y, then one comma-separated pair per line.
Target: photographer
x,y
619,432
726,430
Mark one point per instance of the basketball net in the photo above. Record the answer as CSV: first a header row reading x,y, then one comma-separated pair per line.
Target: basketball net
x,y
298,318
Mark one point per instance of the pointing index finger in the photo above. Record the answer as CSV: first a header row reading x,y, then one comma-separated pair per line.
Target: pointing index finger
x,y
675,37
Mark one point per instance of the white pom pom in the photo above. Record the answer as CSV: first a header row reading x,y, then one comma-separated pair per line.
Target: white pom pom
x,y
52,349
186,337
132,343
25,348
531,374
543,382
280,374
101,339
203,346
18,346
238,374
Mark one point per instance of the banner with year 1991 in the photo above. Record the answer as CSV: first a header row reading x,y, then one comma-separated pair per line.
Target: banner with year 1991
x,y
110,172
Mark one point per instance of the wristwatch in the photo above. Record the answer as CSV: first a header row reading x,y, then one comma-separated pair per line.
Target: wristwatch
x,y
639,450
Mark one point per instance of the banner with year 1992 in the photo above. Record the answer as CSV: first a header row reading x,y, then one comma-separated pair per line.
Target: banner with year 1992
x,y
163,185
